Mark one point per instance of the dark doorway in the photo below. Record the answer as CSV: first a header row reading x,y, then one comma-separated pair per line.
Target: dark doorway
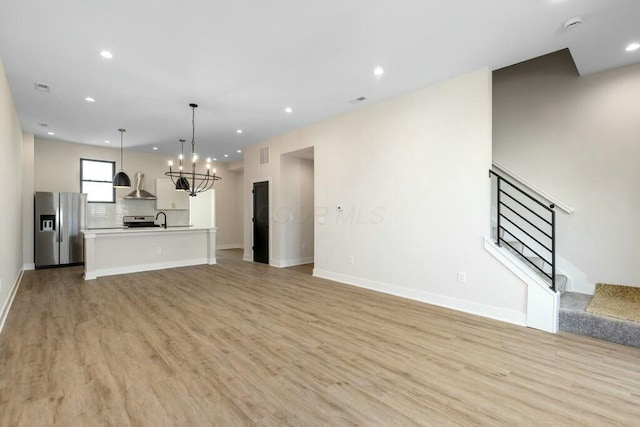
x,y
261,222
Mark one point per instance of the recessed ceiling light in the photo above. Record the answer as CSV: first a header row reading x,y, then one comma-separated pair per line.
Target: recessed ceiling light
x,y
226,155
239,131
155,148
106,54
106,141
215,160
89,99
288,110
239,151
632,47
378,72
50,133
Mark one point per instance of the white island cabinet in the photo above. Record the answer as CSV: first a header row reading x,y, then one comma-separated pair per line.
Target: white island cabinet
x,y
118,251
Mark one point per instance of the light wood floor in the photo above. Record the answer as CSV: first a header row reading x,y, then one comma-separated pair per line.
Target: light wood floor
x,y
247,344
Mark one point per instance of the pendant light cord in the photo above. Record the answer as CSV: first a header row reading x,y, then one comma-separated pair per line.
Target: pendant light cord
x,y
122,131
193,130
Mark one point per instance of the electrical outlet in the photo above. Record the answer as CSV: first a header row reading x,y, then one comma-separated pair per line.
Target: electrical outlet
x,y
0,285
462,277
350,259
304,246
159,249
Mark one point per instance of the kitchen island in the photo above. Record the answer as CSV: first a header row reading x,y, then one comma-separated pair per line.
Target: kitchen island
x,y
112,251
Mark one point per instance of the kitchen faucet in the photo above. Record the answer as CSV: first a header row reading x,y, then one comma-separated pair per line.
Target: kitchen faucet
x,y
165,218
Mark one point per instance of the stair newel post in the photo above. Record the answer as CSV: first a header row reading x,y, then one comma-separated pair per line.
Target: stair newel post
x,y
553,249
498,211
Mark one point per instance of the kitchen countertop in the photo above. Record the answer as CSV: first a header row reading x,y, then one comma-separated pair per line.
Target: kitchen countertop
x,y
134,230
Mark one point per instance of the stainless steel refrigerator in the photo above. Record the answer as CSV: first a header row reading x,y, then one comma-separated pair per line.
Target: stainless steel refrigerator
x,y
59,217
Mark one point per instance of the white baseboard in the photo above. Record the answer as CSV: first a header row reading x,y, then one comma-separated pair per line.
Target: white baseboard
x,y
230,246
145,267
496,313
247,256
7,306
291,262
29,266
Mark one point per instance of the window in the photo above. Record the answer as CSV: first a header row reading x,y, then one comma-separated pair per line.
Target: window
x,y
96,180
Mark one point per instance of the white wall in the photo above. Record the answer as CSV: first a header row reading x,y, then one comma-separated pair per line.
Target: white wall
x,y
411,174
228,215
27,200
11,250
295,217
57,168
239,233
578,139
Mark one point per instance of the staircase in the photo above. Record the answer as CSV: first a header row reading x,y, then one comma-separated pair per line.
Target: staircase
x,y
575,319
523,227
523,239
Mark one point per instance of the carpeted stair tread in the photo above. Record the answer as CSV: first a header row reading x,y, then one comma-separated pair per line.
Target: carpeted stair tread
x,y
575,301
574,319
621,302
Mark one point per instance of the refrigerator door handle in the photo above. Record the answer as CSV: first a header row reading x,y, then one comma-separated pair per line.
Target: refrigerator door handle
x,y
60,222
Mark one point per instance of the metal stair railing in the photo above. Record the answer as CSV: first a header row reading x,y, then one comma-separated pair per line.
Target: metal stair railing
x,y
527,221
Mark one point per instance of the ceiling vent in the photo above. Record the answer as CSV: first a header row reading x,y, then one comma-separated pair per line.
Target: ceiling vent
x,y
356,100
264,155
42,87
44,125
572,23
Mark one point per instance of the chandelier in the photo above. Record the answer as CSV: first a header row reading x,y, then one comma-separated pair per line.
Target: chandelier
x,y
192,181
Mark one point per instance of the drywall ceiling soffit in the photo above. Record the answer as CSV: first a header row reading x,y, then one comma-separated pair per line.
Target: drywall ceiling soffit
x,y
245,61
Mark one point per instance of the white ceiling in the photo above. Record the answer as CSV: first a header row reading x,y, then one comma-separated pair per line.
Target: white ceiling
x,y
245,61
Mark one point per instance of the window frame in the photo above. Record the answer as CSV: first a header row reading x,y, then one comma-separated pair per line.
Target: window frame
x,y
113,172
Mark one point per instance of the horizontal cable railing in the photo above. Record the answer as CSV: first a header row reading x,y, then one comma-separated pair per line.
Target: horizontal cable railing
x,y
523,220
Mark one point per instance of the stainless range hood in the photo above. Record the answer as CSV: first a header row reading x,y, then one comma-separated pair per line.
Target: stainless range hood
x,y
140,193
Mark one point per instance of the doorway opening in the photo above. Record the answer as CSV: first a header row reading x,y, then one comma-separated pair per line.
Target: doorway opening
x,y
296,215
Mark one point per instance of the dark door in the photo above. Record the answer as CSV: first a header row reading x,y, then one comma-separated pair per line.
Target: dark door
x,y
261,222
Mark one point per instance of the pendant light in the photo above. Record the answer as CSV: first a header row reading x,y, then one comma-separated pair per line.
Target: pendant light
x,y
121,180
182,183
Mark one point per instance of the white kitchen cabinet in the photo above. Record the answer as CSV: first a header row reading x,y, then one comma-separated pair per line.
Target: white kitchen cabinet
x,y
168,198
202,209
